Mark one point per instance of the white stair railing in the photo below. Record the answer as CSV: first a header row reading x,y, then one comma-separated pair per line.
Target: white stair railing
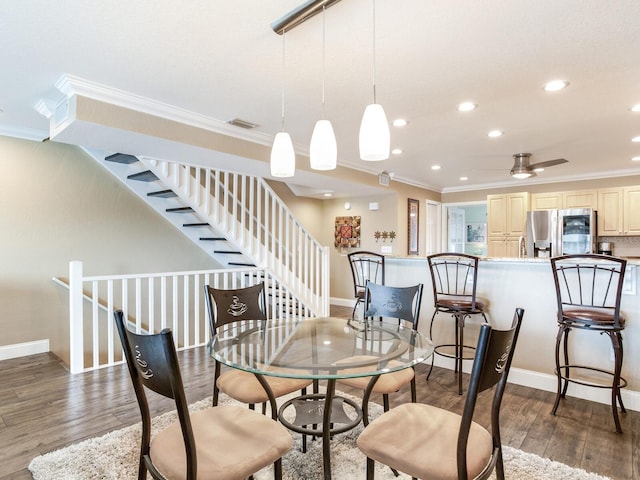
x,y
253,217
151,302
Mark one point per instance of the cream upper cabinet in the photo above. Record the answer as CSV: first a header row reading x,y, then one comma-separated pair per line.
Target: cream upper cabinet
x,y
610,211
632,210
619,211
506,222
546,201
580,199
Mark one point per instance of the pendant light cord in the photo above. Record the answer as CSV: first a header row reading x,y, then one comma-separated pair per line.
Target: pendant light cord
x,y
283,78
323,55
374,51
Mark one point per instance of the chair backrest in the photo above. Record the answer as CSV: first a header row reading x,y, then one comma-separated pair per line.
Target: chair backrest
x,y
231,305
153,365
494,353
366,267
589,281
454,276
402,303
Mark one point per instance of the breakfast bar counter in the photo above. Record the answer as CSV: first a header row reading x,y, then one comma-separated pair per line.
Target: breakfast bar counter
x,y
507,283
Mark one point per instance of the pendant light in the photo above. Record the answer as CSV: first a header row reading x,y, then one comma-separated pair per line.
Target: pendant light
x,y
323,153
283,157
375,138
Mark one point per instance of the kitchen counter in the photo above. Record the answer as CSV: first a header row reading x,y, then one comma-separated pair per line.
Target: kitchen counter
x,y
507,283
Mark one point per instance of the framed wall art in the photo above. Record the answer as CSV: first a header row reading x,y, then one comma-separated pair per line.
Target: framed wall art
x,y
413,226
347,232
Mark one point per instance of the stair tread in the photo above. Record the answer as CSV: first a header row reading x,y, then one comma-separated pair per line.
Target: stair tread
x,y
122,158
201,224
146,176
228,252
239,264
213,239
162,194
179,210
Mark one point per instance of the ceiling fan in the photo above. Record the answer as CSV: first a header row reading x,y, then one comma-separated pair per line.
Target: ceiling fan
x,y
523,169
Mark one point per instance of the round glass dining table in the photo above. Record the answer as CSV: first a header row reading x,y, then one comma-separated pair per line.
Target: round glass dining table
x,y
322,348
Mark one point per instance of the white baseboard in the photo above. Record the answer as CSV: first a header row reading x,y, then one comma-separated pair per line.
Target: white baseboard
x,y
343,302
23,349
549,383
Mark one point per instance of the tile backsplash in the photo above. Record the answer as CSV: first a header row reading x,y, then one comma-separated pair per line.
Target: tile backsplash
x,y
623,246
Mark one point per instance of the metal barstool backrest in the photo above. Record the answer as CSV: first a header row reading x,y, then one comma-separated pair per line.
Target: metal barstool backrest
x,y
366,267
589,286
454,277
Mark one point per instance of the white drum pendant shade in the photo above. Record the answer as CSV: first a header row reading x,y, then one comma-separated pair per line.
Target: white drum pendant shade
x,y
323,153
283,157
375,139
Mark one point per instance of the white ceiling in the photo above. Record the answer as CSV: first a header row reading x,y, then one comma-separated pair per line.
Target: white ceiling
x,y
221,60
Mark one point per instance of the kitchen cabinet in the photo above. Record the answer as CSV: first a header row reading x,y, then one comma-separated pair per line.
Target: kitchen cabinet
x,y
580,199
619,211
506,223
546,201
560,200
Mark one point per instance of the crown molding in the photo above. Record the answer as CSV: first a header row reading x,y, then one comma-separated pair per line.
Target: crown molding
x,y
24,133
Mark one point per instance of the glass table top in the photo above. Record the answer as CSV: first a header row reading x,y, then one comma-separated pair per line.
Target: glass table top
x,y
319,348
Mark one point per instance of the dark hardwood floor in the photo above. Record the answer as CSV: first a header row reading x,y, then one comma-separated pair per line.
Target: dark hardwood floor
x,y
43,407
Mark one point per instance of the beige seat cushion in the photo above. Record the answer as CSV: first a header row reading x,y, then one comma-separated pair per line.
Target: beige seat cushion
x,y
245,387
231,442
420,440
387,383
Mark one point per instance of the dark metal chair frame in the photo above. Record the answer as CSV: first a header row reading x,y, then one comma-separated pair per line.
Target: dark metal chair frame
x,y
401,303
494,354
589,292
454,277
156,353
365,266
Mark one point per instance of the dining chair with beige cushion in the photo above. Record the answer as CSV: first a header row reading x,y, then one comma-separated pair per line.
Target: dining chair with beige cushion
x,y
386,302
223,442
226,306
432,443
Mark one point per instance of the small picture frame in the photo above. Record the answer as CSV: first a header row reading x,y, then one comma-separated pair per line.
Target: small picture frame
x,y
476,233
413,217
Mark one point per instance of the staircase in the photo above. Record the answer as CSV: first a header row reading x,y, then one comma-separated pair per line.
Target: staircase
x,y
237,219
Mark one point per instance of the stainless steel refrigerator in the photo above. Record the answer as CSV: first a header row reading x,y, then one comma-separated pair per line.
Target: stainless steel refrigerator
x,y
543,240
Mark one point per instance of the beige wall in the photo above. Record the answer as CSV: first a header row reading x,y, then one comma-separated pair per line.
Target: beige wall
x,y
59,205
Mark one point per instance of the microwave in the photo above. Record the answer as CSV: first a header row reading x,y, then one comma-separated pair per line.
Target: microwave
x,y
577,230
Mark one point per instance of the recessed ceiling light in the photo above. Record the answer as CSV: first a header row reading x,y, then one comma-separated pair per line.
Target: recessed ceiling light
x,y
467,106
635,159
555,85
635,108
464,178
396,151
636,139
327,194
435,167
399,122
495,133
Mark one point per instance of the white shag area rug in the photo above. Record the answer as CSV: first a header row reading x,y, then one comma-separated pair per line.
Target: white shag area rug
x,y
114,456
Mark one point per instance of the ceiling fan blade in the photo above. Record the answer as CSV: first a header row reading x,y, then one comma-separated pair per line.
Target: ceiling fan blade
x,y
548,163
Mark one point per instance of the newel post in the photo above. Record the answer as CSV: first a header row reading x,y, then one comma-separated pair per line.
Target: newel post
x,y
76,347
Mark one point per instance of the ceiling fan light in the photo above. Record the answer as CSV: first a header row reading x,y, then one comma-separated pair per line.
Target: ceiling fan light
x,y
283,157
522,173
323,153
375,138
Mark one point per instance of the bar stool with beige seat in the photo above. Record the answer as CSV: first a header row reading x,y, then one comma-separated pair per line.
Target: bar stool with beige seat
x,y
588,292
454,277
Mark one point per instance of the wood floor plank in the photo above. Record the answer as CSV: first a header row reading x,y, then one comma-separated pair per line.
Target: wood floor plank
x,y
43,407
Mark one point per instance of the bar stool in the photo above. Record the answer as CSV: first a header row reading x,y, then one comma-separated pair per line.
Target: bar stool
x,y
454,277
588,291
365,267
